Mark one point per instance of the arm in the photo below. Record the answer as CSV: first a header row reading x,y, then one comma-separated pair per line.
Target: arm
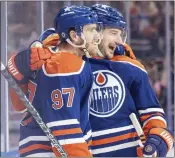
x,y
150,112
18,66
18,105
152,117
22,67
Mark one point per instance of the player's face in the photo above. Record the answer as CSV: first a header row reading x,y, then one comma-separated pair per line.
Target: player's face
x,y
93,37
111,37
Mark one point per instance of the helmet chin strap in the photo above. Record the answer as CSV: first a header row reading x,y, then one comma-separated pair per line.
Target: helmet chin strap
x,y
100,54
98,41
83,46
98,51
77,46
87,53
124,40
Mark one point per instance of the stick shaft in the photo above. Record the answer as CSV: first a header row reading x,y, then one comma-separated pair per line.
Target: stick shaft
x,y
140,132
137,127
33,111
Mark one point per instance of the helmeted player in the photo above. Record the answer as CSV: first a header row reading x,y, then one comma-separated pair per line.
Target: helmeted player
x,y
111,138
122,87
124,140
60,89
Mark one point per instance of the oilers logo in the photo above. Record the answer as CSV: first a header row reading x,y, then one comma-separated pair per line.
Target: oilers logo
x,y
108,94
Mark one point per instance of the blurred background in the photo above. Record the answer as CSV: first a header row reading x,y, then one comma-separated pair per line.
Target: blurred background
x,y
150,34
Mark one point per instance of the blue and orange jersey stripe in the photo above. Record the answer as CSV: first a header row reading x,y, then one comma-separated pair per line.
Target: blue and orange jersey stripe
x,y
63,63
128,60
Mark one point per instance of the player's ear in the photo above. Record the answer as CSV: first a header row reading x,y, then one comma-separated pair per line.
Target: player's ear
x,y
73,36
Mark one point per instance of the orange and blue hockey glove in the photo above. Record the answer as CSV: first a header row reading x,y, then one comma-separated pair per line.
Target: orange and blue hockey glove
x,y
159,142
129,52
39,51
22,65
49,38
125,49
38,55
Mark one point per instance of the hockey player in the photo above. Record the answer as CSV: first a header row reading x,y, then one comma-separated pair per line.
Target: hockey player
x,y
60,89
120,140
122,87
111,138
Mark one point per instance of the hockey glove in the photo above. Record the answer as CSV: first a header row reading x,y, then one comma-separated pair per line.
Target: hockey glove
x,y
159,142
124,50
51,40
38,55
119,50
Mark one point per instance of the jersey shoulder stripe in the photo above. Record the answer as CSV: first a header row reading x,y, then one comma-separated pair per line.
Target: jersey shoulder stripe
x,y
128,60
63,64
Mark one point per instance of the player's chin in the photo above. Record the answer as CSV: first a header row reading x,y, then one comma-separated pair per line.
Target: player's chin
x,y
109,53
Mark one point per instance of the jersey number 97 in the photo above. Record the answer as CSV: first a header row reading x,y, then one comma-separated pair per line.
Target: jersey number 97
x,y
57,97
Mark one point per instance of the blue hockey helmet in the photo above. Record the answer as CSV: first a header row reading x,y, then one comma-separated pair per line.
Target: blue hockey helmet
x,y
110,17
73,17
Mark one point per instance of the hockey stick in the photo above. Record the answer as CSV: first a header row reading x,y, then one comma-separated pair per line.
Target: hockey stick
x,y
139,131
33,111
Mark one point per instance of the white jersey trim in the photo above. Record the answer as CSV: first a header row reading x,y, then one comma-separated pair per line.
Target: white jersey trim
x,y
33,138
71,141
133,65
113,130
151,110
88,135
44,138
115,147
62,123
63,74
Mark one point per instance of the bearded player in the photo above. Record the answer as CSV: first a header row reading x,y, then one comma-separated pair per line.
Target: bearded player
x,y
152,117
60,89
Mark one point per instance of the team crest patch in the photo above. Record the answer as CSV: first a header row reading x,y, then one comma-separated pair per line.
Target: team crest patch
x,y
108,94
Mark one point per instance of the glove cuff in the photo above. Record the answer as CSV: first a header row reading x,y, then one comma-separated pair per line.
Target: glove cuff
x,y
164,134
13,70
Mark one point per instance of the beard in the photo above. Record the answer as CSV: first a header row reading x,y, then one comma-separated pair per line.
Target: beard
x,y
102,50
93,50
